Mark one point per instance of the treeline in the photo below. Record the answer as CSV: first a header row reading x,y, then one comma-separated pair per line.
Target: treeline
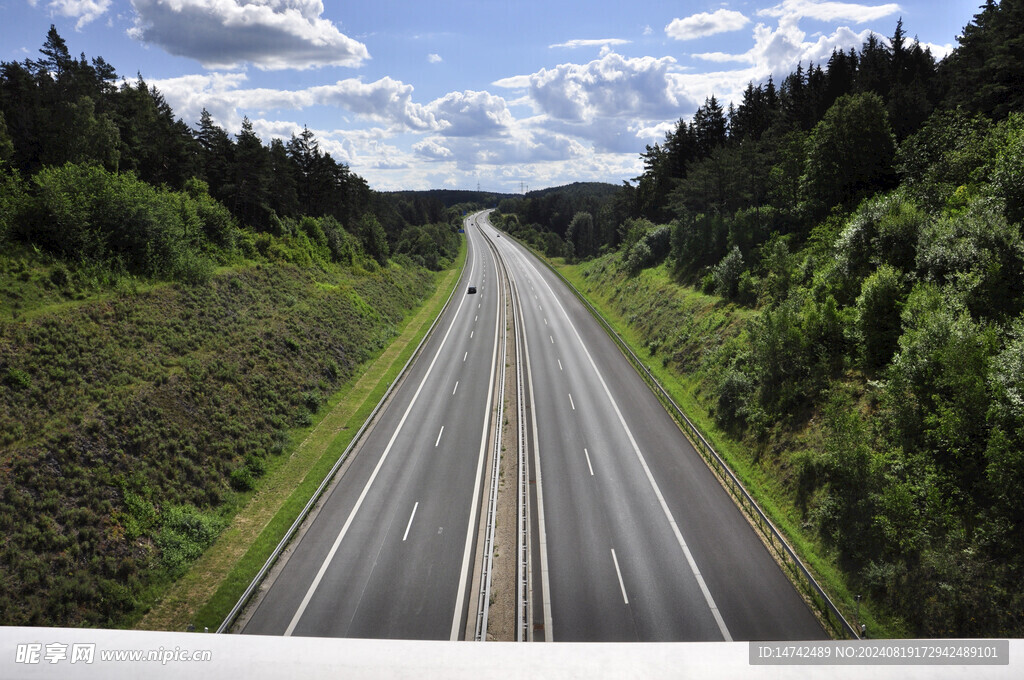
x,y
93,170
870,210
575,221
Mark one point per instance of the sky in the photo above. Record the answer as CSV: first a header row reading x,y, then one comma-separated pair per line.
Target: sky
x,y
461,94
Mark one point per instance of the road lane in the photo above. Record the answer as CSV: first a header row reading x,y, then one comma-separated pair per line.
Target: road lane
x,y
387,555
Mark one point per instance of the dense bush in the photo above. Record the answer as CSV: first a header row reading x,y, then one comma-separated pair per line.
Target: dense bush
x,y
89,215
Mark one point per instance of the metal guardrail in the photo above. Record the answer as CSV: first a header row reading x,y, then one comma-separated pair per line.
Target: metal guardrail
x,y
522,593
523,613
274,556
717,463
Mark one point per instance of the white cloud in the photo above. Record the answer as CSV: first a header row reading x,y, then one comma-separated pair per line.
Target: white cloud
x,y
386,100
513,82
434,58
612,86
605,102
432,148
829,11
940,52
470,114
84,10
270,34
705,24
778,51
520,147
592,42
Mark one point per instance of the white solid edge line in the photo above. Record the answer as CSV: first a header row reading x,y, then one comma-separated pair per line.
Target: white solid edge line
x,y
650,478
471,525
618,572
409,525
373,476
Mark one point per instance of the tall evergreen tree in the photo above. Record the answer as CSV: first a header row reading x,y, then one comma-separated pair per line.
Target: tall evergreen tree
x,y
216,156
708,127
252,178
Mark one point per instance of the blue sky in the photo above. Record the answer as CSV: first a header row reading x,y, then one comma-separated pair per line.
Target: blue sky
x,y
420,95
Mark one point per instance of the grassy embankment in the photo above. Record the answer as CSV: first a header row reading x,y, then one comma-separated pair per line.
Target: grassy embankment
x,y
137,419
686,338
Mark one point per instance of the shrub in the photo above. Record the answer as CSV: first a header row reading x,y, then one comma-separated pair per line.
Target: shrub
x,y
878,316
242,479
90,215
185,532
727,274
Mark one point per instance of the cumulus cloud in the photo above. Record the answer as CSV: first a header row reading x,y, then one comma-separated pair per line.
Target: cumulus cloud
x,y
432,148
434,58
779,50
940,52
705,24
605,102
270,34
470,114
522,146
829,11
386,100
612,86
591,42
84,10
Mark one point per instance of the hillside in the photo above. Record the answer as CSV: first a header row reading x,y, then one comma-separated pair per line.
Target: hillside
x,y
132,426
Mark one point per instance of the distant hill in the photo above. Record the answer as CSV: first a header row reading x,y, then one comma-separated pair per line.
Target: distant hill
x,y
450,197
596,189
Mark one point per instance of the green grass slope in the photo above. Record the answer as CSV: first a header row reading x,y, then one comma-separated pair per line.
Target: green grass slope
x,y
133,424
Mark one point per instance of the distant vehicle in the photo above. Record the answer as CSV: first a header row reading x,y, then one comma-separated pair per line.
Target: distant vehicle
x,y
472,289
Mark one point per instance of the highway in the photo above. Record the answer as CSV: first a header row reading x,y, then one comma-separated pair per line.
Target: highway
x,y
632,538
638,541
390,552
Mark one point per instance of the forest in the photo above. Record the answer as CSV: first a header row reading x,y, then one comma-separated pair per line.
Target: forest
x,y
88,160
859,222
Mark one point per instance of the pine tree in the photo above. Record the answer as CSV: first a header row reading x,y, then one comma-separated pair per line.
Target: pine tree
x,y
252,178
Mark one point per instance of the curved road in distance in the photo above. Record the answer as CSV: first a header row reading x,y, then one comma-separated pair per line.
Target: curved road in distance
x,y
389,553
642,542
